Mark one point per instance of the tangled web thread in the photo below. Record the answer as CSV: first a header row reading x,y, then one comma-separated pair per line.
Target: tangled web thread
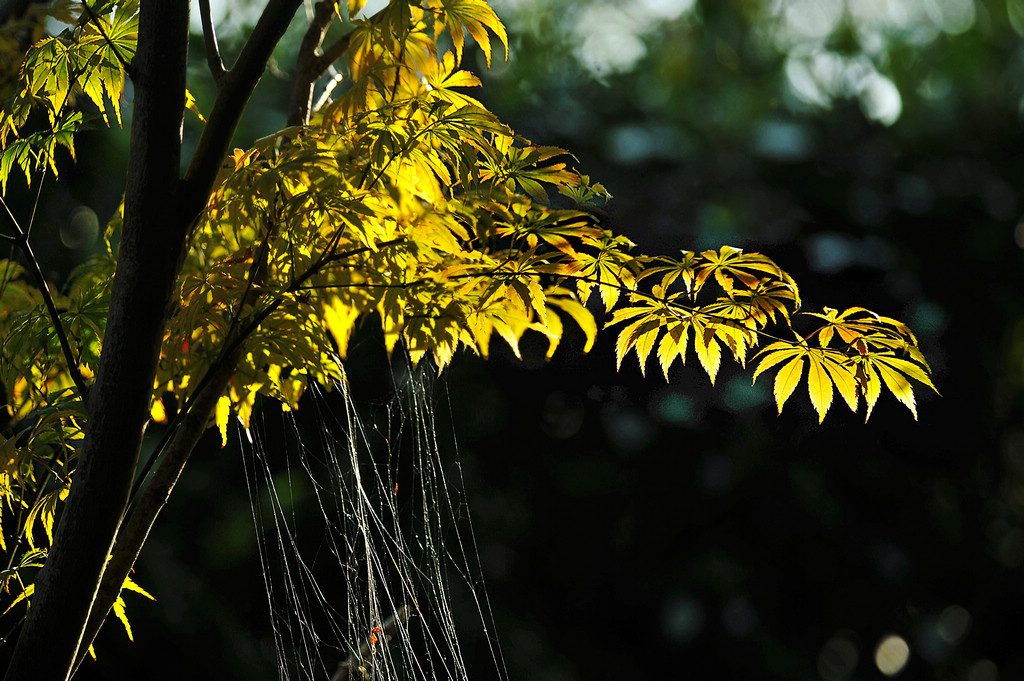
x,y
368,592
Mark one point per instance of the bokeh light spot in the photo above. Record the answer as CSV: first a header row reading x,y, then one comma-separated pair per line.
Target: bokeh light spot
x,y
880,100
927,317
609,39
838,658
892,655
1015,12
1018,234
782,141
955,16
739,617
954,623
81,229
675,408
741,395
983,670
629,430
813,18
630,144
914,194
683,619
830,252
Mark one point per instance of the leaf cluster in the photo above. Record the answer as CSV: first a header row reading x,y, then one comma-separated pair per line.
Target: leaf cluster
x,y
87,58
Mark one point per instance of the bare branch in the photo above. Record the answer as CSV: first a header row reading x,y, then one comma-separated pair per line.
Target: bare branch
x,y
333,53
181,438
311,65
328,90
306,66
232,98
212,48
135,530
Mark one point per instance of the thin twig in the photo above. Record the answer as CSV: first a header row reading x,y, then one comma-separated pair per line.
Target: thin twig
x,y
21,240
333,53
325,260
179,441
213,58
136,526
232,345
39,188
329,87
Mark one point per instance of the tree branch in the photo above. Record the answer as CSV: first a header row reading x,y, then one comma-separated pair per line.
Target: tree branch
x,y
311,65
235,90
210,39
233,341
306,65
136,529
182,437
333,53
21,241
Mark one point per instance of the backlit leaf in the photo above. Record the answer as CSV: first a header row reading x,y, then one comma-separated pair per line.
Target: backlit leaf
x,y
819,384
787,379
709,352
221,414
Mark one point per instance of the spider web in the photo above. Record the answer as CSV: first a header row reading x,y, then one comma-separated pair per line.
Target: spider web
x,y
359,577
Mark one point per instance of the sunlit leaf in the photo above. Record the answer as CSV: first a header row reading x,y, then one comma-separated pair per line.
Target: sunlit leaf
x,y
787,379
221,414
709,352
819,384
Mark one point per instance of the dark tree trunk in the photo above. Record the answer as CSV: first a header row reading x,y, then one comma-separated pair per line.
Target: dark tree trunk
x,y
159,210
118,404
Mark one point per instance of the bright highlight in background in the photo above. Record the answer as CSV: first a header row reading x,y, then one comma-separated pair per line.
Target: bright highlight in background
x,y
892,655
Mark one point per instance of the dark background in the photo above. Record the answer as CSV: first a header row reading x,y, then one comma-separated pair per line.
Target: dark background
x,y
630,528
